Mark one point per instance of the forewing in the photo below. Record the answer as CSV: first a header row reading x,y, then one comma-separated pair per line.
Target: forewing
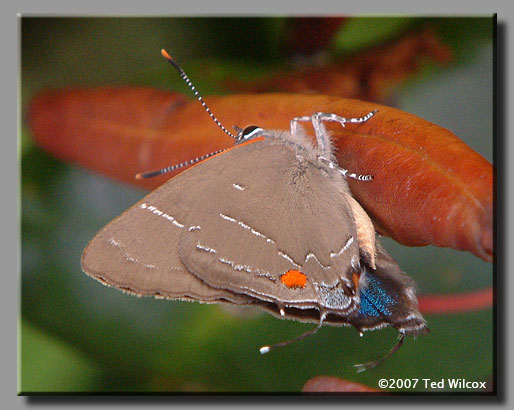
x,y
267,213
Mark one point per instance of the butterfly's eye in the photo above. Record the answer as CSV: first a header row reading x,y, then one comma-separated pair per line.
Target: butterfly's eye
x,y
249,132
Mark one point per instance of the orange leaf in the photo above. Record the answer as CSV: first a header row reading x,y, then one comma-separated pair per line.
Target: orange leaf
x,y
429,187
328,384
456,303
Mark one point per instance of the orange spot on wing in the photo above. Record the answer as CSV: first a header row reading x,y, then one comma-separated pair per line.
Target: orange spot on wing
x,y
294,279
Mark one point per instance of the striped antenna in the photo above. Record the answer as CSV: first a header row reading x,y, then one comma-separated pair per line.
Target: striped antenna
x,y
150,174
190,84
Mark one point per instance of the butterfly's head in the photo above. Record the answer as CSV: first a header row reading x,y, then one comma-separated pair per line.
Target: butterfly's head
x,y
247,133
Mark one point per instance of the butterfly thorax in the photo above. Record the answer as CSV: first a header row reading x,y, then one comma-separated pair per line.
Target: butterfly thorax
x,y
306,150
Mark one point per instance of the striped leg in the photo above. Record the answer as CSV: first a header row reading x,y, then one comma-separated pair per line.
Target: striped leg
x,y
320,130
345,173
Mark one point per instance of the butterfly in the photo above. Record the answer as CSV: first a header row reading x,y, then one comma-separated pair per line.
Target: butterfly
x,y
269,222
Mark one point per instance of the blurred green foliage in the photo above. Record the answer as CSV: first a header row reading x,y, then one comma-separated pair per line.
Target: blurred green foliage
x,y
49,364
368,31
77,335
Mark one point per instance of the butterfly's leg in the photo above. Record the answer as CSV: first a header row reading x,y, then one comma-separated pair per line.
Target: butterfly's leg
x,y
322,116
294,123
319,129
322,135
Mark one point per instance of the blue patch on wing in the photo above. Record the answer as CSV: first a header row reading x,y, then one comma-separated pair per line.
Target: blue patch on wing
x,y
375,300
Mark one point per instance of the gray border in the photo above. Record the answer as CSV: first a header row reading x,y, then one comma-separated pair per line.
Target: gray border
x,y
10,246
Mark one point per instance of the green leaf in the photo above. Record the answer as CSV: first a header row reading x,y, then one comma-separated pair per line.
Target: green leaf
x,y
362,32
51,365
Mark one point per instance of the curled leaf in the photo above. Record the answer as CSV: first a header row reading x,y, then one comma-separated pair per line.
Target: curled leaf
x,y
428,188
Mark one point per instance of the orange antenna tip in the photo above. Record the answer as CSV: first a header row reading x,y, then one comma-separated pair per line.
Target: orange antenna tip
x,y
165,54
192,87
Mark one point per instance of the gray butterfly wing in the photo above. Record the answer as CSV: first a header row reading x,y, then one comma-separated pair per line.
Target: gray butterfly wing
x,y
267,212
386,299
138,251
